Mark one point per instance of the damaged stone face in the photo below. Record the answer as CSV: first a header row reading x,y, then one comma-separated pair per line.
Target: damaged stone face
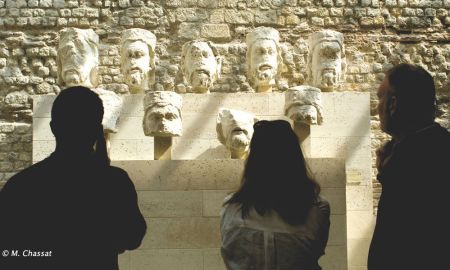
x,y
326,61
162,114
235,130
138,59
264,60
78,66
201,65
303,104
78,58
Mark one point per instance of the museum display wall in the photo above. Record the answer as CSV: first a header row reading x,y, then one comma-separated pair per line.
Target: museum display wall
x,y
317,63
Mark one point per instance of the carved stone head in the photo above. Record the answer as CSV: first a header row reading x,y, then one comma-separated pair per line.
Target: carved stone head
x,y
304,104
77,57
162,114
326,61
137,50
264,60
112,106
201,65
235,129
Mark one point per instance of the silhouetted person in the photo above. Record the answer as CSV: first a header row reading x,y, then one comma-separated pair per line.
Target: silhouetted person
x,y
72,203
411,231
276,219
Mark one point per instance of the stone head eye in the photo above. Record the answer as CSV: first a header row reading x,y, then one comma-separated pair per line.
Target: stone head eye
x,y
170,116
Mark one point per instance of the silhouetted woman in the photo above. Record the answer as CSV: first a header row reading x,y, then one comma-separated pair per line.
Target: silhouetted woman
x,y
276,219
72,209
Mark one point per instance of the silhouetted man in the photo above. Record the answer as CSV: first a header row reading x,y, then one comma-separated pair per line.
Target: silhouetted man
x,y
411,230
72,210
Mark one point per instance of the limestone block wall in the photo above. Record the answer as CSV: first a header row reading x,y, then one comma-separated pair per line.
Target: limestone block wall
x,y
344,134
181,201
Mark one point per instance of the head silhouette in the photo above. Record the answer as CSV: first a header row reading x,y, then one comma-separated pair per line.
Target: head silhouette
x,y
275,175
77,114
407,99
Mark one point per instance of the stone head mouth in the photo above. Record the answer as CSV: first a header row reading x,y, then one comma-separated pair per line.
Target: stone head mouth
x,y
328,70
202,71
264,67
238,130
135,69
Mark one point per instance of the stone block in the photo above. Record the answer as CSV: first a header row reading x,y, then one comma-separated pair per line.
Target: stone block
x,y
216,31
335,258
167,204
41,129
213,260
340,119
244,17
199,149
130,128
336,12
131,149
208,104
255,103
46,3
124,260
359,198
336,198
184,174
42,149
189,31
358,250
167,259
391,3
332,177
92,13
191,232
317,21
33,3
360,224
266,17
213,201
338,230
59,3
217,16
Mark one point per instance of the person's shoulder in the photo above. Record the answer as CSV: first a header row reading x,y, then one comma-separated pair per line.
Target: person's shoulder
x,y
30,174
119,177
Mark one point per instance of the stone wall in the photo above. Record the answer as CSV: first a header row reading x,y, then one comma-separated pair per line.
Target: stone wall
x,y
378,34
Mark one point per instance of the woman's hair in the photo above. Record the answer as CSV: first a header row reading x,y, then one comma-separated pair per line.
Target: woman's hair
x,y
77,114
275,175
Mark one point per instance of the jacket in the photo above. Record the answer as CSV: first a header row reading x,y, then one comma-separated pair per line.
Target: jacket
x,y
268,243
412,226
71,214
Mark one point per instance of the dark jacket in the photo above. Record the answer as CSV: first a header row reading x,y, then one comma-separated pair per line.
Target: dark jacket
x,y
412,231
267,242
84,213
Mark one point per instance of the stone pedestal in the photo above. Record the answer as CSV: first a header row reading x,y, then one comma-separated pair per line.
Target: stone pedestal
x,y
163,148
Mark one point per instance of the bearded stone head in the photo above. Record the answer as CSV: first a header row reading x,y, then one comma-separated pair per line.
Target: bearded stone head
x,y
77,58
264,60
235,129
201,65
137,52
162,114
303,104
326,61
